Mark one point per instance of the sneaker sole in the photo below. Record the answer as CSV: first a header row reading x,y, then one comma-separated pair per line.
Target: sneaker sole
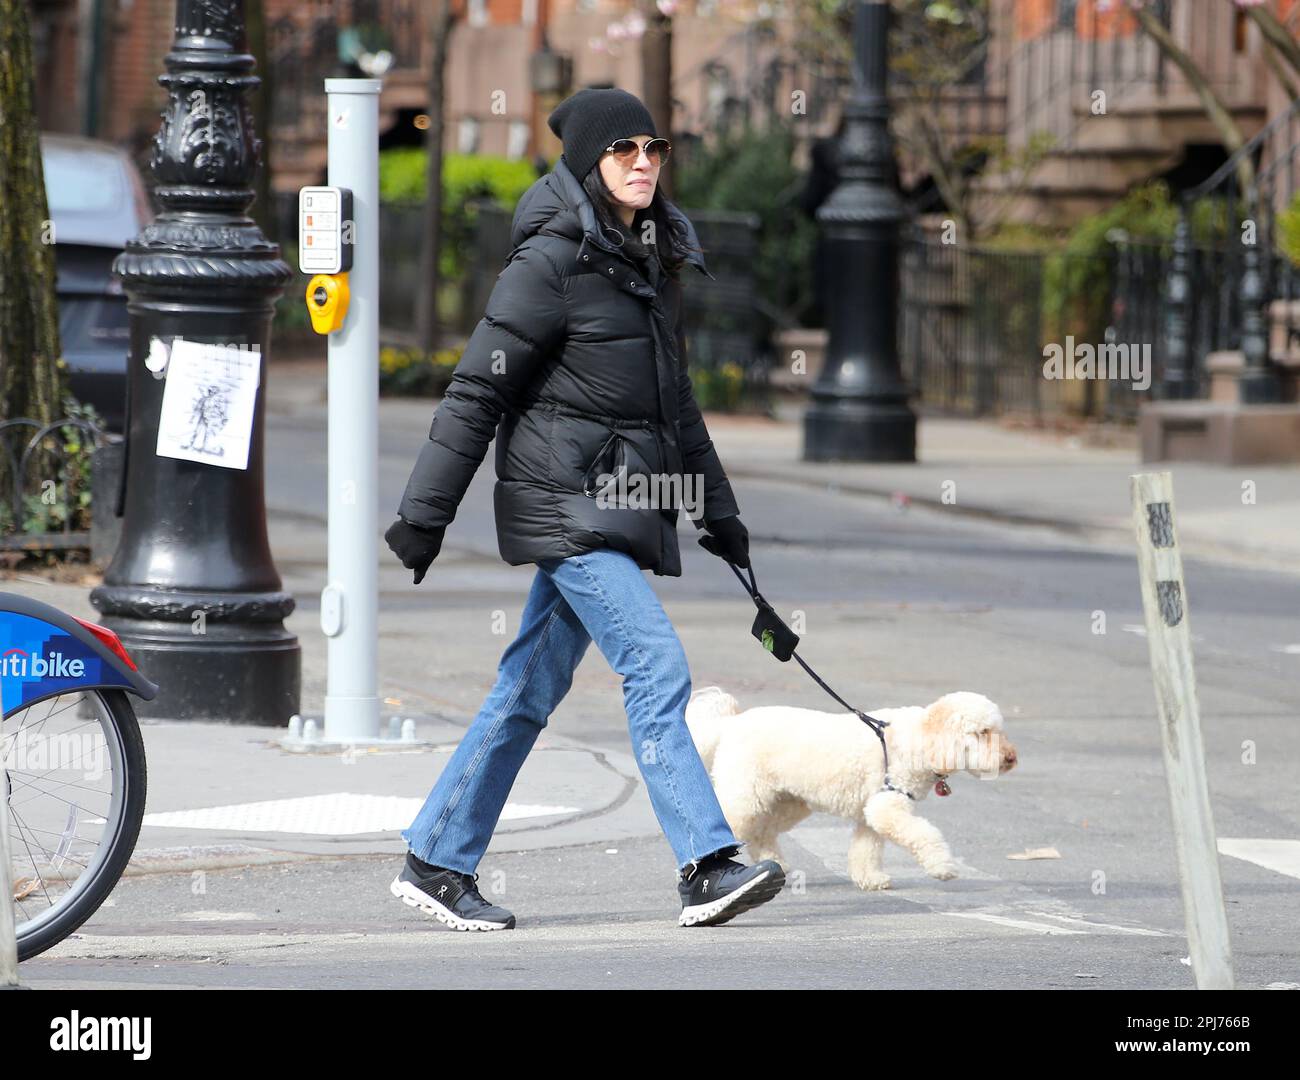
x,y
750,895
413,897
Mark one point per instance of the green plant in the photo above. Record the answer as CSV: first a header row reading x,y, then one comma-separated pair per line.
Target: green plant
x,y
60,470
1077,278
403,173
720,389
753,170
1288,230
413,373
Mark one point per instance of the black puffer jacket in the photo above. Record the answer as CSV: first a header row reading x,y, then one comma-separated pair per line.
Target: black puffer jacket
x,y
579,368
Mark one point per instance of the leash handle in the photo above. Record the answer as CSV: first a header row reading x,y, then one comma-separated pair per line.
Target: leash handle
x,y
751,586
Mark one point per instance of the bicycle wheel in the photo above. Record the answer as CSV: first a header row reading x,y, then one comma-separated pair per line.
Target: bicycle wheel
x,y
75,771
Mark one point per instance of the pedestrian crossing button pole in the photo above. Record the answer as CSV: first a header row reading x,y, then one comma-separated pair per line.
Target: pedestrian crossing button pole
x,y
338,247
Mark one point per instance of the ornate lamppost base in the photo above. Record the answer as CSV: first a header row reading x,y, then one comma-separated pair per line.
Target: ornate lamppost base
x,y
847,430
238,664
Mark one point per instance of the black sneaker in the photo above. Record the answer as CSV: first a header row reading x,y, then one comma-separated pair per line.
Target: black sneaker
x,y
453,898
719,888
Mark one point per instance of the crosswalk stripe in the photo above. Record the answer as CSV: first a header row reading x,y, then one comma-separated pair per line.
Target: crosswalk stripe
x,y
338,813
1283,856
1021,924
829,843
1142,931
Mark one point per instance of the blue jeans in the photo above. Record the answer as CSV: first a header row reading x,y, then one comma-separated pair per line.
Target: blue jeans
x,y
602,596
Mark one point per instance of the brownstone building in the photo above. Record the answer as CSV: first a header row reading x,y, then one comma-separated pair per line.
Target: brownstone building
x,y
1047,62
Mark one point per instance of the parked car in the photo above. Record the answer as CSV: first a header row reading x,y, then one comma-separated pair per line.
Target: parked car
x,y
97,202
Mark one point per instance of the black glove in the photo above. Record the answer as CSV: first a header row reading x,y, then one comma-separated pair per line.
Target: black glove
x,y
728,539
416,547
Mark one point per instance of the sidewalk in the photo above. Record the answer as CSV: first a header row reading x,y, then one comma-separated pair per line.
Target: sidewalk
x,y
1032,478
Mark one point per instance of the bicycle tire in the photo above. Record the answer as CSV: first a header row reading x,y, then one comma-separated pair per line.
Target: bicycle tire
x,y
121,844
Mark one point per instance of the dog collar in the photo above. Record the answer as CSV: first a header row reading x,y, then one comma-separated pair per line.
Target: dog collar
x,y
940,786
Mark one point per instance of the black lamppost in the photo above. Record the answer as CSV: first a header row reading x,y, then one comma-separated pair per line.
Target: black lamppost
x,y
1178,381
1259,383
191,589
859,409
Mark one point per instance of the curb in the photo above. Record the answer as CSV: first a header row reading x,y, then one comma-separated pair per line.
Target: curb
x,y
1194,548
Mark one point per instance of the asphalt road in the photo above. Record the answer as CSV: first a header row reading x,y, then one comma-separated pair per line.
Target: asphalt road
x,y
900,608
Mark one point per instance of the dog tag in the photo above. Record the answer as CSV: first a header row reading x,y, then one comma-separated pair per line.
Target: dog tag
x,y
941,787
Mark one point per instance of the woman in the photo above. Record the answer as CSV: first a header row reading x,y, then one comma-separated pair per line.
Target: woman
x,y
580,359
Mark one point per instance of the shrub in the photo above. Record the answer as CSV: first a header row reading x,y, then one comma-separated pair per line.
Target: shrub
x,y
403,173
412,372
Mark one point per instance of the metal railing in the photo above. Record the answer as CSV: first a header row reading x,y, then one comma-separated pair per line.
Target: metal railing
x,y
975,324
1231,254
45,483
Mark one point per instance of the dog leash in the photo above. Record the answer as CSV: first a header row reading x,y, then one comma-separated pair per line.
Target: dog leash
x,y
780,640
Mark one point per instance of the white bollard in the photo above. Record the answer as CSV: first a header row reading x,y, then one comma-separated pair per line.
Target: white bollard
x,y
352,592
1164,600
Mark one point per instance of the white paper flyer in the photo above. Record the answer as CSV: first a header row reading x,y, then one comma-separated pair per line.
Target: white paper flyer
x,y
208,403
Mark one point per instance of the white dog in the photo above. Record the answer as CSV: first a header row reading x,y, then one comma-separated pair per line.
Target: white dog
x,y
772,766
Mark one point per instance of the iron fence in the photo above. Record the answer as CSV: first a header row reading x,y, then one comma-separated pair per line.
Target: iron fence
x,y
45,483
977,325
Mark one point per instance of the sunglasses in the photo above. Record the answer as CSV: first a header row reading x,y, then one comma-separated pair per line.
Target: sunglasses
x,y
626,150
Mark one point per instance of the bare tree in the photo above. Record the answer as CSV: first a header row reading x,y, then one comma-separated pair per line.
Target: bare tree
x,y
263,208
441,20
657,75
33,378
1275,33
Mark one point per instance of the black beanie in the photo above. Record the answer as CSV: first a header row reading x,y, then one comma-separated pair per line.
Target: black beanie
x,y
590,120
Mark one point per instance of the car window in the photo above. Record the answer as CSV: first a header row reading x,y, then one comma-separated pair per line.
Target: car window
x,y
82,182
94,322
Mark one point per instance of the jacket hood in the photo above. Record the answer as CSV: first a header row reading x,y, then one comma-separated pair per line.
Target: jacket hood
x,y
557,204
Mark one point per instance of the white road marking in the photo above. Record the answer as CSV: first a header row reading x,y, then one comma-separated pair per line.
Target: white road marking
x,y
830,841
1280,855
1141,631
1290,650
1140,930
1022,924
336,814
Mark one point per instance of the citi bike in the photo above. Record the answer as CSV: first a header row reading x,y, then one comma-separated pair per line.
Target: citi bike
x,y
72,766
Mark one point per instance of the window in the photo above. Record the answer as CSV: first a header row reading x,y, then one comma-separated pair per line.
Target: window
x,y
468,135
517,139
